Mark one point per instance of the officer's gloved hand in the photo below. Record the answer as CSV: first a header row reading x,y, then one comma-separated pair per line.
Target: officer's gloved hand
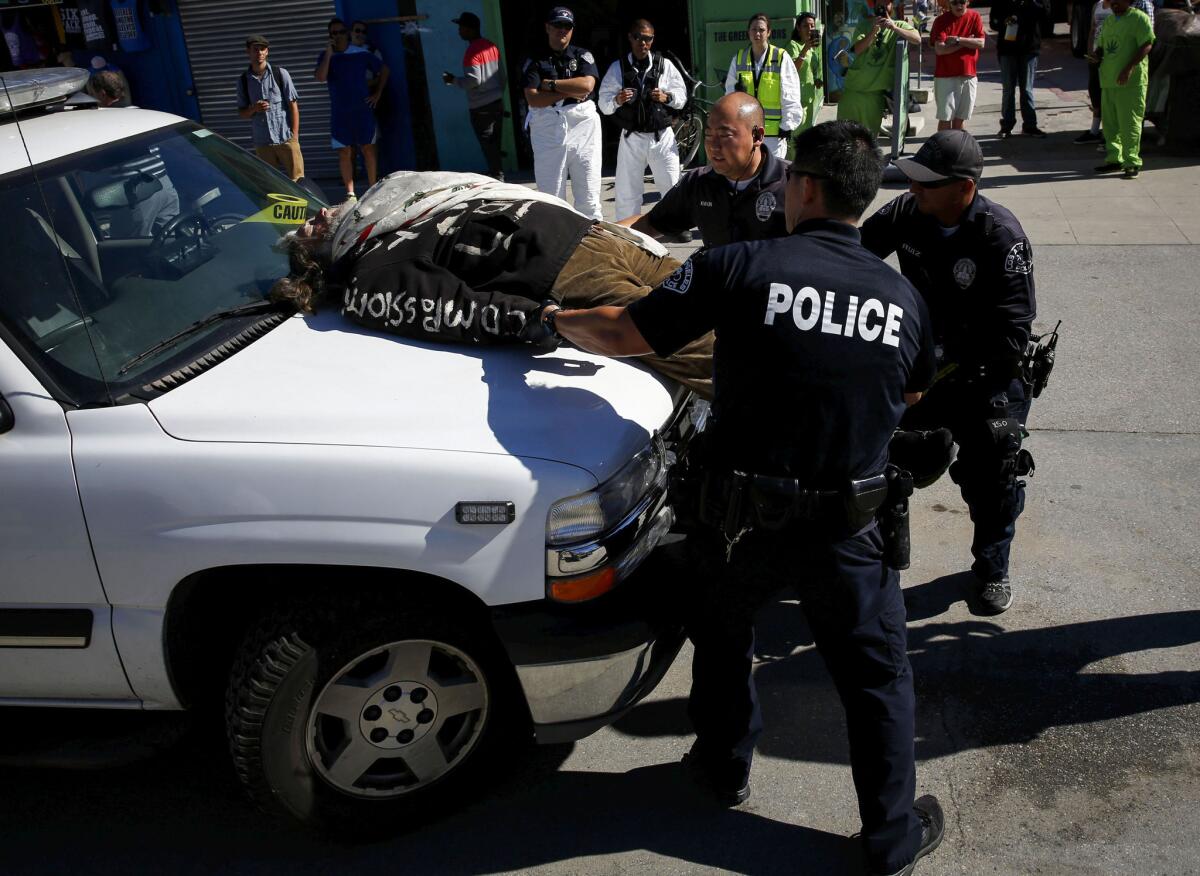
x,y
536,331
925,455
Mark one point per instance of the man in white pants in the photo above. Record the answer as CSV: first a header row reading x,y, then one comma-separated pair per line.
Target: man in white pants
x,y
636,92
564,127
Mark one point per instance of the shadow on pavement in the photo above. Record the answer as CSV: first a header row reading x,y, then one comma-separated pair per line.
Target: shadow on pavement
x,y
978,685
185,814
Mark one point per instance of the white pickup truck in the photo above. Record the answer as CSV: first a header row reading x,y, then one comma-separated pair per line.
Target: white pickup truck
x,y
391,559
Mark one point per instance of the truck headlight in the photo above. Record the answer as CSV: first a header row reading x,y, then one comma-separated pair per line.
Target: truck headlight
x,y
577,518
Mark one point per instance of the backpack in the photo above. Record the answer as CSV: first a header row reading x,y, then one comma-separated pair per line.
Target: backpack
x,y
244,84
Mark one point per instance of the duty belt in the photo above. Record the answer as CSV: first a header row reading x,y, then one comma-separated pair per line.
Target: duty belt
x,y
738,502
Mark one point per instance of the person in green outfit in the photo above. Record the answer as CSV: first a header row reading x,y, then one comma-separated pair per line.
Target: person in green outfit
x,y
1126,38
869,79
805,49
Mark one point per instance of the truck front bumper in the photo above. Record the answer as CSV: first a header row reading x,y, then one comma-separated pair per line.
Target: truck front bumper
x,y
583,667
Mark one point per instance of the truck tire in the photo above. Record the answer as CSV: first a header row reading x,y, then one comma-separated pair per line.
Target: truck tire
x,y
361,723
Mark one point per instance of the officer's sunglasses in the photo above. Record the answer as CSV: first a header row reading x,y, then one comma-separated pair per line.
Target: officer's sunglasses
x,y
642,37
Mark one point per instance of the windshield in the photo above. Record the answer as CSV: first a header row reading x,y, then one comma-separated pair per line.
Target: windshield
x,y
114,253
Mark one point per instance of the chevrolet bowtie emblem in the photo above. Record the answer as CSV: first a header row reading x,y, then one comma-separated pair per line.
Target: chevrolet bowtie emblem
x,y
398,715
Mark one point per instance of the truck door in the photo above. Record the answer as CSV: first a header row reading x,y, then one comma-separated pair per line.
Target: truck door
x,y
56,638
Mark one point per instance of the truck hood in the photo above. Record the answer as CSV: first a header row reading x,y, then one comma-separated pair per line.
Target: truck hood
x,y
322,380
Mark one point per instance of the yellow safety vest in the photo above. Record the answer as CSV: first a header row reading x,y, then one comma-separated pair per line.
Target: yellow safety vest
x,y
769,83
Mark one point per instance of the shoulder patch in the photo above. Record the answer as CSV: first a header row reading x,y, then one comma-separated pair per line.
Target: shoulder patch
x,y
681,280
886,208
587,56
1019,259
764,206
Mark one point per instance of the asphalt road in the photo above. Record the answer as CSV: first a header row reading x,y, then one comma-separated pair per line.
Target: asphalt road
x,y
1062,737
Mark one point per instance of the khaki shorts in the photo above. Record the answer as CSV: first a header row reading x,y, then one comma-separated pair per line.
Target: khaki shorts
x,y
955,97
286,156
607,270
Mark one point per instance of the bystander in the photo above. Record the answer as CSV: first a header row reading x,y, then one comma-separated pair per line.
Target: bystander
x,y
957,36
351,101
267,97
1018,43
483,81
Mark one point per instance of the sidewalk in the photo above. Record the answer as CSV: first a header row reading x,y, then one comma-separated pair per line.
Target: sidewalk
x,y
1049,184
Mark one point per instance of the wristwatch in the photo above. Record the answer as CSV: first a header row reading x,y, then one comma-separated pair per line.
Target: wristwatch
x,y
550,84
549,319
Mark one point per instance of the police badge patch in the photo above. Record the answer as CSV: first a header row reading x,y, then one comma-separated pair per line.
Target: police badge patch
x,y
681,280
1019,259
964,273
764,206
587,57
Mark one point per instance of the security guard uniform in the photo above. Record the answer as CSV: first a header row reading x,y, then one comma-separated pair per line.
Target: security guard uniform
x,y
724,212
566,136
978,283
774,82
817,342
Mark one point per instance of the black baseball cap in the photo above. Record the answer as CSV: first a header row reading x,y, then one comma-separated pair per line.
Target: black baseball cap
x,y
561,15
946,155
467,19
257,39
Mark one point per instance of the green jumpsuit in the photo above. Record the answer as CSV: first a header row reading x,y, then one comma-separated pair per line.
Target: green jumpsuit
x,y
1122,107
870,77
810,93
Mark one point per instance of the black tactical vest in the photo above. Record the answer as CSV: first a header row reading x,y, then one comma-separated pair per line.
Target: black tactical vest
x,y
642,114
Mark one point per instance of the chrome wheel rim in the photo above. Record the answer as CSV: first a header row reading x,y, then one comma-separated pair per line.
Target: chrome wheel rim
x,y
397,718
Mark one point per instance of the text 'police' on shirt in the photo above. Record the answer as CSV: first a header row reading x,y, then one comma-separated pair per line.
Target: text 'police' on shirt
x,y
869,319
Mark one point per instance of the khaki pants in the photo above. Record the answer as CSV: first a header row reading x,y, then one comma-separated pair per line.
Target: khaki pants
x,y
286,156
606,270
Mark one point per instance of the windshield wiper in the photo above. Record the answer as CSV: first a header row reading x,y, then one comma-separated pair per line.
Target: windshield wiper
x,y
215,316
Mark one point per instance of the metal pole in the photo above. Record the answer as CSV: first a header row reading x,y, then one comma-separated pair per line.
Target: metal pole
x,y
920,61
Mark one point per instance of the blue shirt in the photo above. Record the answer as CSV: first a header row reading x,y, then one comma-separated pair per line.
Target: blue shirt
x,y
272,126
347,78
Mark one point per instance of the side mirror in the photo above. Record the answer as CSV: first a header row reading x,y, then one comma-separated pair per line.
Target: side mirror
x,y
7,420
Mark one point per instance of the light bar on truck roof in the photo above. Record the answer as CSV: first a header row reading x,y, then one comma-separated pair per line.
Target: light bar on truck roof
x,y
20,89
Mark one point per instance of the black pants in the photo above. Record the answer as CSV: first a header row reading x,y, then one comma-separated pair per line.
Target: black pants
x,y
994,497
856,611
488,123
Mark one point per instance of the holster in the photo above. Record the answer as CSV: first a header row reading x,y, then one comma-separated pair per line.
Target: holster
x,y
894,519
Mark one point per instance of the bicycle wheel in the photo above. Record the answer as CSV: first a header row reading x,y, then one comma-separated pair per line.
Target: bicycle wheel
x,y
688,133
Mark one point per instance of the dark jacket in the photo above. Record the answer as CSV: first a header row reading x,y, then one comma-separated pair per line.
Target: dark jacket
x,y
474,275
978,282
705,199
1031,17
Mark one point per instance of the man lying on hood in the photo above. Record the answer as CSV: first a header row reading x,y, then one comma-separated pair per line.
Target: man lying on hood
x,y
461,257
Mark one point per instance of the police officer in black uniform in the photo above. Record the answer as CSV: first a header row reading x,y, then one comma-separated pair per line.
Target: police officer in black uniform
x,y
820,346
973,264
739,196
